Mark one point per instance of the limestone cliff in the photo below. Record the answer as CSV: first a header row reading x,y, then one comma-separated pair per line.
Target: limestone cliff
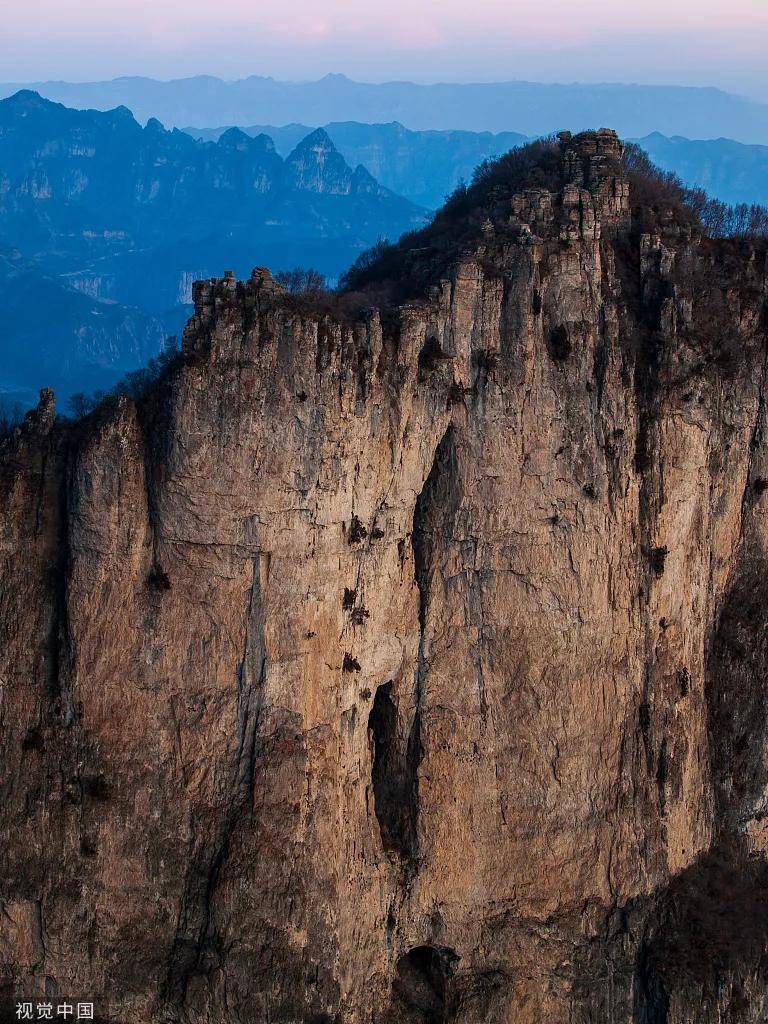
x,y
408,666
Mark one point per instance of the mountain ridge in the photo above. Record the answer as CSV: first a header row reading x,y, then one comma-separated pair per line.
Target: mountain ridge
x,y
528,107
426,166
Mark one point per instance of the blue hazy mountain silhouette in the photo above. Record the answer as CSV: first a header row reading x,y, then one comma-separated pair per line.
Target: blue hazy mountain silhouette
x,y
117,220
425,166
111,221
531,108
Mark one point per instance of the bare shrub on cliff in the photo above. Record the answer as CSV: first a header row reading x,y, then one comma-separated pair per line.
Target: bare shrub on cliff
x,y
655,189
301,280
136,384
368,262
80,404
537,165
11,415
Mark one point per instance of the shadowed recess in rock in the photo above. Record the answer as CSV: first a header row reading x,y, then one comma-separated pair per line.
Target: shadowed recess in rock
x,y
421,989
737,699
394,788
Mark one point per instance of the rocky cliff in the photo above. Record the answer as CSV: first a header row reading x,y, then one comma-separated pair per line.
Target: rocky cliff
x,y
408,665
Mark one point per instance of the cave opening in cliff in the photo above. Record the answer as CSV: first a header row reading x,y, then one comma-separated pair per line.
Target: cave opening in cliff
x,y
421,987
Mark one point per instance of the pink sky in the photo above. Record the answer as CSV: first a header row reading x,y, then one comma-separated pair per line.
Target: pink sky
x,y
687,41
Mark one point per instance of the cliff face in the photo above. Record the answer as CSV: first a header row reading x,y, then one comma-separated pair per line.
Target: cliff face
x,y
408,668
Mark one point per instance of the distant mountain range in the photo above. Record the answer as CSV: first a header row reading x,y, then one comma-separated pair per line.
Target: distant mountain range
x,y
112,221
530,108
426,166
55,334
423,166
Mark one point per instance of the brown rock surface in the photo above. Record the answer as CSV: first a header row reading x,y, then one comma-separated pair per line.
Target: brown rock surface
x,y
407,667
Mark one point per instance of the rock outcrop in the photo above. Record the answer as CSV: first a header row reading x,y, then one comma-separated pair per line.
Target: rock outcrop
x,y
407,666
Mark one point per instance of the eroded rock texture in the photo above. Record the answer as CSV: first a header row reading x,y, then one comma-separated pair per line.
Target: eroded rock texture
x,y
410,668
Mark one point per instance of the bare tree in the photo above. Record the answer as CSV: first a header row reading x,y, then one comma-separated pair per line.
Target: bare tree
x,y
301,280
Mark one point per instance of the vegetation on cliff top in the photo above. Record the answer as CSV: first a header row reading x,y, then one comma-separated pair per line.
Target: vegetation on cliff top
x,y
419,256
652,187
137,384
403,268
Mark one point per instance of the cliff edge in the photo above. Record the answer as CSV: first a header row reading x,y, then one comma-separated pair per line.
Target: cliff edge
x,y
408,664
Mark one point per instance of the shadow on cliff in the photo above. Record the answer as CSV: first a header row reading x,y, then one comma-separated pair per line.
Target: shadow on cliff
x,y
706,937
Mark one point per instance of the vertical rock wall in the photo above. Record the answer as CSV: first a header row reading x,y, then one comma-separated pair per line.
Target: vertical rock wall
x,y
406,668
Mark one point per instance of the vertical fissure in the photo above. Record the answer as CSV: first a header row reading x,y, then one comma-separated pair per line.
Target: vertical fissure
x,y
651,1002
396,737
195,932
433,509
59,643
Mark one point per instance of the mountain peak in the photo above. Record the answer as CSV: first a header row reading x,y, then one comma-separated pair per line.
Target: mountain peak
x,y
27,99
315,165
25,96
235,138
318,140
126,114
56,115
364,183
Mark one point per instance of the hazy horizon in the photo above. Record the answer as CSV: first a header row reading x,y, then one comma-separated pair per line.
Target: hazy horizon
x,y
548,41
360,80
